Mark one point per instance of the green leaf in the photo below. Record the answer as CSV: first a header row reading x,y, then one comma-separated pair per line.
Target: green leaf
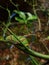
x,y
47,38
16,11
1,38
31,17
21,14
19,20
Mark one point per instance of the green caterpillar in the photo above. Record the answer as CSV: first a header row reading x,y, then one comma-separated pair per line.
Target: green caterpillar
x,y
21,38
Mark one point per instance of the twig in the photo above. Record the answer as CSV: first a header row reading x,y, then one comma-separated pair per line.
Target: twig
x,y
37,16
16,5
42,41
29,35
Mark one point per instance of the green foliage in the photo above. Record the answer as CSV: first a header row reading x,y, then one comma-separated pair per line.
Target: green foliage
x,y
24,17
47,38
1,38
31,17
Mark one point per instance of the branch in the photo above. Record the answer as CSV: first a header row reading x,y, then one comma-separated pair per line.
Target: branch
x,y
27,50
15,5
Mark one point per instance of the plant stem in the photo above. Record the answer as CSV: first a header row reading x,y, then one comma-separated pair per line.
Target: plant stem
x,y
27,50
15,5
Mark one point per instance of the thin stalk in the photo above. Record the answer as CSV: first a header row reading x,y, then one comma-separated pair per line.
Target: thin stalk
x,y
8,21
27,50
36,15
33,60
15,5
7,11
45,47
